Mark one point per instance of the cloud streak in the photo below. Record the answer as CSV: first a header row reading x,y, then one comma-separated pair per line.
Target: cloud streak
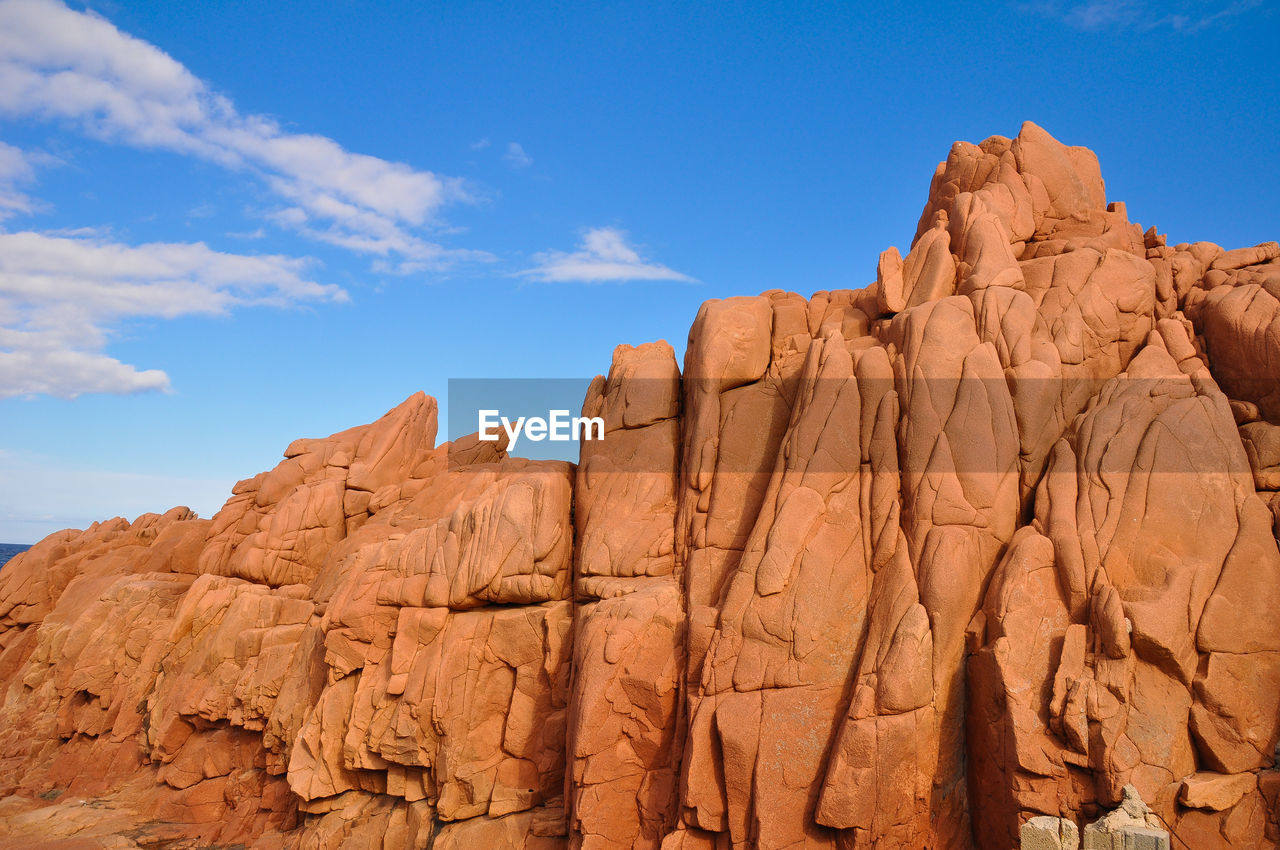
x,y
16,168
60,297
1187,16
60,64
603,255
516,156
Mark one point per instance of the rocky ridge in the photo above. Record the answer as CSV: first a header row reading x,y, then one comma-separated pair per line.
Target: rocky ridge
x,y
906,566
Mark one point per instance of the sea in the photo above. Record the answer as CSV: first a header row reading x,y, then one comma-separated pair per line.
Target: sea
x,y
8,550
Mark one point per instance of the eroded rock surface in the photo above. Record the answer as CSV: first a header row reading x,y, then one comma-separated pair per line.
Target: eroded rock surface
x,y
979,551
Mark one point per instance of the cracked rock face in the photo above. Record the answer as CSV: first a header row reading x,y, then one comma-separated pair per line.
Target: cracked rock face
x,y
987,541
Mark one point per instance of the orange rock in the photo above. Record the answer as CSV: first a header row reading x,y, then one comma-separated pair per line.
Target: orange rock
x,y
985,544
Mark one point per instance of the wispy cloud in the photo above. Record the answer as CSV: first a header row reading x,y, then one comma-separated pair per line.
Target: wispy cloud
x,y
603,255
61,297
16,168
1187,16
516,156
60,64
1099,14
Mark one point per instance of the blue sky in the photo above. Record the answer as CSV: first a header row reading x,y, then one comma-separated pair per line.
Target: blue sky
x,y
227,225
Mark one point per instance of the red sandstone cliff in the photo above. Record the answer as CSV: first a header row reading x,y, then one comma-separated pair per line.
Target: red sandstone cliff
x,y
897,567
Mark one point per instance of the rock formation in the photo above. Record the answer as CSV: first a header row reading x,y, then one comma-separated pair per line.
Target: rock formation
x,y
990,539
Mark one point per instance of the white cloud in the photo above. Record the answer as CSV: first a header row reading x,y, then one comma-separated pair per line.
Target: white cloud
x,y
603,255
61,296
516,156
1221,16
1187,16
480,144
1098,14
58,63
358,229
16,167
